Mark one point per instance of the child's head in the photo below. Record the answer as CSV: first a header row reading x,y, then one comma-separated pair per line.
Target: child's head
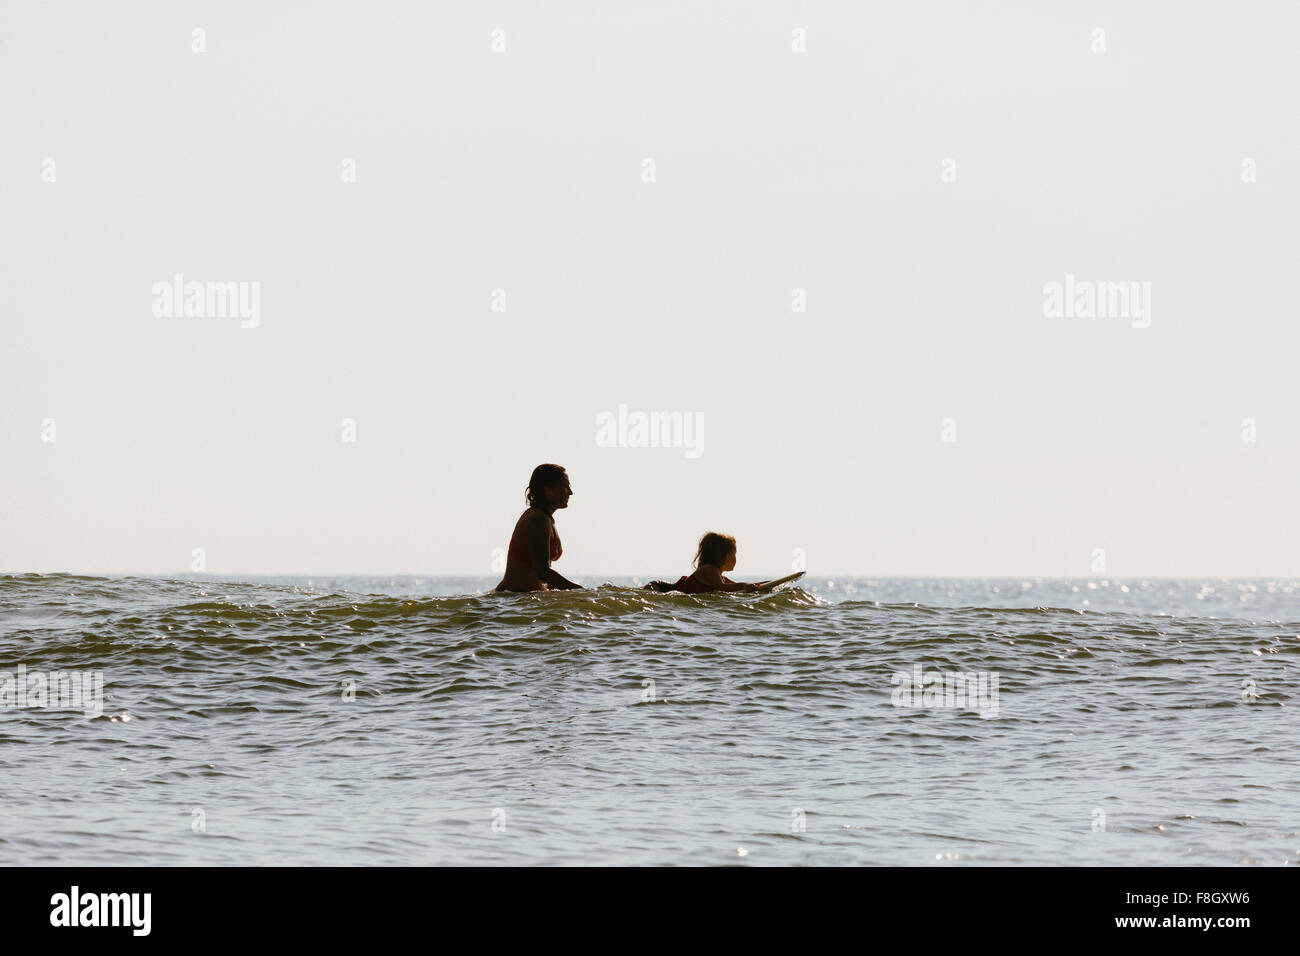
x,y
718,550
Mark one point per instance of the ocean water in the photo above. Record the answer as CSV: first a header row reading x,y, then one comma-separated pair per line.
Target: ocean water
x,y
420,721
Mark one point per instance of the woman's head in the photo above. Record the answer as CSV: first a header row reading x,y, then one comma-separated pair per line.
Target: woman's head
x,y
548,488
716,549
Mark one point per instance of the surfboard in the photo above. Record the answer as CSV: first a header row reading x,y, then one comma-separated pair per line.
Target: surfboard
x,y
768,586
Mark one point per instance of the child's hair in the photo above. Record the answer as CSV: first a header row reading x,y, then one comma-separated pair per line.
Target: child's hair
x,y
714,549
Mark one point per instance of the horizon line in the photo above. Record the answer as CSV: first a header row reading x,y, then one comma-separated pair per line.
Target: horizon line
x,y
1092,576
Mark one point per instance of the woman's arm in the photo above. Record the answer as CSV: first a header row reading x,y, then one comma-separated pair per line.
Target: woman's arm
x,y
539,546
558,581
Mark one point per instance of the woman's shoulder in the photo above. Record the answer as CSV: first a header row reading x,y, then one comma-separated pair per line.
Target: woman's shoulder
x,y
535,516
709,574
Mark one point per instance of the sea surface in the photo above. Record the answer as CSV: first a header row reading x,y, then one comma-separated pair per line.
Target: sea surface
x,y
414,721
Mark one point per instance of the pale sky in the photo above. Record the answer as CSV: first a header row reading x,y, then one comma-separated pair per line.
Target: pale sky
x,y
1170,157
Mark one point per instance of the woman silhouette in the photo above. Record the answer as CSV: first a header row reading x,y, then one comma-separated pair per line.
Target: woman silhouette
x,y
535,543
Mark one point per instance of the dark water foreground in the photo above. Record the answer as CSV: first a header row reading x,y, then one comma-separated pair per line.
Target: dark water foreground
x,y
284,722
